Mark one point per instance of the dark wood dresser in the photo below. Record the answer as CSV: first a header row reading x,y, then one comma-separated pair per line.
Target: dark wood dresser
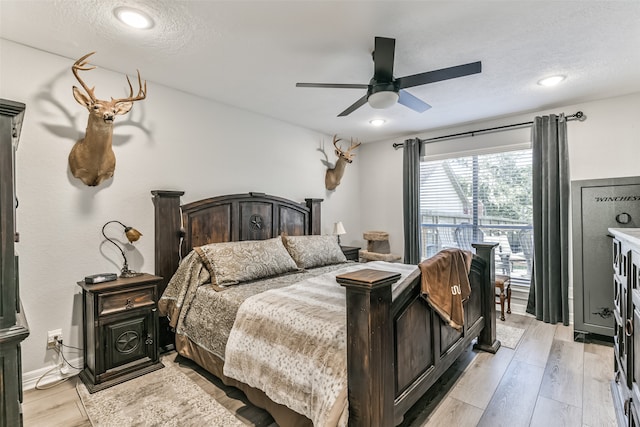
x,y
626,281
120,330
13,323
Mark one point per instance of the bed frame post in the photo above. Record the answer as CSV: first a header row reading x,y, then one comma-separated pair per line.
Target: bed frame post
x,y
487,339
167,247
370,356
314,220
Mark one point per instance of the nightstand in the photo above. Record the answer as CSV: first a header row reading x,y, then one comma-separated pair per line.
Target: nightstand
x,y
351,252
120,331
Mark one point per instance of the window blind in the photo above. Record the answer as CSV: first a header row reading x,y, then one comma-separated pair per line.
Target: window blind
x,y
479,198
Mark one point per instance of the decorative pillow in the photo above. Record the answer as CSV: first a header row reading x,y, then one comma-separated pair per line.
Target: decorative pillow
x,y
234,262
314,251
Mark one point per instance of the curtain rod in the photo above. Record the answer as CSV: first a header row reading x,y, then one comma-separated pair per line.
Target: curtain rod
x,y
577,116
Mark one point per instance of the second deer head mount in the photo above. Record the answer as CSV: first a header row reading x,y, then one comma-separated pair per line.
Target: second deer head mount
x,y
92,159
334,175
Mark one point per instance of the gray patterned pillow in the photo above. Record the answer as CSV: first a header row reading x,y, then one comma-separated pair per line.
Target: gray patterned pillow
x,y
314,251
234,262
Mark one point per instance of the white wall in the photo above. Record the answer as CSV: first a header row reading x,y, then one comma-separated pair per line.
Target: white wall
x,y
171,140
606,145
177,141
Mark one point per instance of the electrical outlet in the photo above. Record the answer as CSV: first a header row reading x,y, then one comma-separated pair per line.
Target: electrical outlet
x,y
53,337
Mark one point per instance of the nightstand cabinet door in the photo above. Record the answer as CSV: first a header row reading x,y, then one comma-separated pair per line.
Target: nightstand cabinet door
x,y
133,339
120,330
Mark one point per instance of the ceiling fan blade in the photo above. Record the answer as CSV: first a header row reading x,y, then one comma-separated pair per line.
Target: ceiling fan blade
x,y
333,85
439,75
359,103
412,102
383,59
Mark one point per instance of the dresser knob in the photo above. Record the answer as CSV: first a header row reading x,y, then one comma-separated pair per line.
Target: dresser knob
x,y
149,340
128,304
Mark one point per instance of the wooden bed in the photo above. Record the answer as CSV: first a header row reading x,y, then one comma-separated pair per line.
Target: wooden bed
x,y
396,349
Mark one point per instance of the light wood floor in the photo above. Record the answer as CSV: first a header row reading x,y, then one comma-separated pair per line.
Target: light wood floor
x,y
548,380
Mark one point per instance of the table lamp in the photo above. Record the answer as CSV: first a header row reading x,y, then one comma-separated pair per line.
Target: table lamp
x,y
132,236
338,230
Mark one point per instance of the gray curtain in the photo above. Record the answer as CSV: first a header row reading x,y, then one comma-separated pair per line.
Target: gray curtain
x,y
411,200
549,292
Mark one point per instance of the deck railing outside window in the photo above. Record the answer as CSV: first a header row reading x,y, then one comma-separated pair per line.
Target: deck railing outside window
x,y
514,253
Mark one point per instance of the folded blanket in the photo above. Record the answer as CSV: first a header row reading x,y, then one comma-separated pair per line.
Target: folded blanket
x,y
445,284
291,343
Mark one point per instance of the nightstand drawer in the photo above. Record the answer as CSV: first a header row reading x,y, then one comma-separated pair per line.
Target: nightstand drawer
x,y
128,300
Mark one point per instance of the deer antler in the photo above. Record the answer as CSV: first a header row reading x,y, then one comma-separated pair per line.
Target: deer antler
x,y
142,93
353,147
80,65
335,144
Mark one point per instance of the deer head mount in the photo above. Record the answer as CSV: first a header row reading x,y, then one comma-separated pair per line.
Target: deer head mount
x,y
92,159
334,175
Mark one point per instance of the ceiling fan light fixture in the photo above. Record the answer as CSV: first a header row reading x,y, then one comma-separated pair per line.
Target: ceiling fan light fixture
x,y
383,99
133,18
552,80
377,122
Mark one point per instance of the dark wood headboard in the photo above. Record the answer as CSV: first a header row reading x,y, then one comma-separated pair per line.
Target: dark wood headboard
x,y
229,218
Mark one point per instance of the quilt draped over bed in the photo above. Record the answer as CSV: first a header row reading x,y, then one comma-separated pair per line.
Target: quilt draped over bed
x,y
291,343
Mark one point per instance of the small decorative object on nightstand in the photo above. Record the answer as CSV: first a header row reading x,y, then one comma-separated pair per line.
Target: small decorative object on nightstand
x,y
120,330
351,252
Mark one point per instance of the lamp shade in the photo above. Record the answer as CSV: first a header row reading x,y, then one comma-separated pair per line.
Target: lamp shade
x,y
338,228
382,99
132,234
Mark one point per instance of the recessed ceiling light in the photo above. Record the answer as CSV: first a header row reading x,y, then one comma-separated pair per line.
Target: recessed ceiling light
x,y
551,81
133,18
377,122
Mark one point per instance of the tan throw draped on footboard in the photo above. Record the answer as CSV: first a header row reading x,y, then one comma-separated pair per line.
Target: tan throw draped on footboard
x,y
445,283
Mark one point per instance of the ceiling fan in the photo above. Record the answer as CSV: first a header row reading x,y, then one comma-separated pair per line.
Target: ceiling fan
x,y
384,90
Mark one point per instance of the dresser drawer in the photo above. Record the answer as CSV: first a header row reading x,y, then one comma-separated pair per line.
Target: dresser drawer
x,y
126,300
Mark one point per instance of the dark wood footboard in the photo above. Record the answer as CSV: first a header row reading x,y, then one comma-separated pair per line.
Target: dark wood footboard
x,y
397,350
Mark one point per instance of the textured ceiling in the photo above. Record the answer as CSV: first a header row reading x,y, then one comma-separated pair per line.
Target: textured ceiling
x,y
250,54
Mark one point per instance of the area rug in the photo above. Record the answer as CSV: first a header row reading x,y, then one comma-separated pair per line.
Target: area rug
x,y
165,397
509,336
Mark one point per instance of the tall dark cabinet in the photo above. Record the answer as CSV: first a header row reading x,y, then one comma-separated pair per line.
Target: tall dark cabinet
x,y
13,323
626,299
598,204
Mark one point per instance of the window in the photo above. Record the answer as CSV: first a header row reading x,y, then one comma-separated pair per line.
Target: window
x,y
480,198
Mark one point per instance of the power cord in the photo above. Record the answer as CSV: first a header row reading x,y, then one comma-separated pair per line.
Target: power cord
x,y
58,348
61,353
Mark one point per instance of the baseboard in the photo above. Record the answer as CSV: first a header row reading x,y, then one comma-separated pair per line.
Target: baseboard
x,y
50,374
